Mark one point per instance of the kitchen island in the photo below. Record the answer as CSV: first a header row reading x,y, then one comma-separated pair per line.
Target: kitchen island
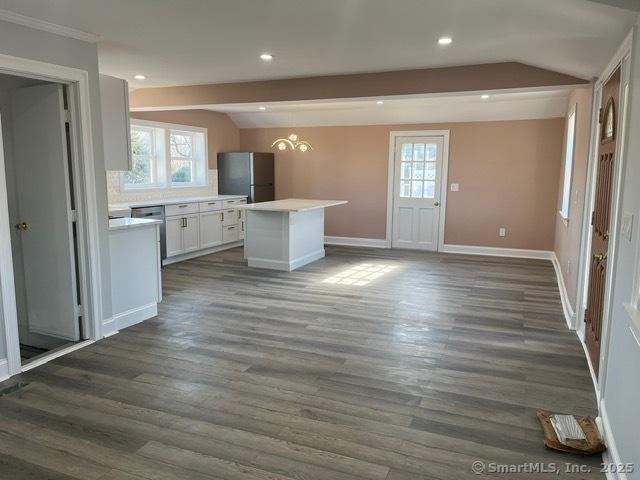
x,y
285,234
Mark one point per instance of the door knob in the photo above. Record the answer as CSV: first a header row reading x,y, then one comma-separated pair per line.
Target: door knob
x,y
22,226
436,204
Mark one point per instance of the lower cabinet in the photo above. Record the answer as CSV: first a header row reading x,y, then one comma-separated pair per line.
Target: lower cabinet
x,y
183,234
210,229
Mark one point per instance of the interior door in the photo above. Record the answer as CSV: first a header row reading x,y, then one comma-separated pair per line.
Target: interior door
x,y
45,208
416,192
601,217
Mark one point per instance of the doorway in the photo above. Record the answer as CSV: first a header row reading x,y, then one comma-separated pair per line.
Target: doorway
x,y
417,189
37,149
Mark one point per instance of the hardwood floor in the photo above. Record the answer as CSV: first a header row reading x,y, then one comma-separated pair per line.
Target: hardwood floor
x,y
369,364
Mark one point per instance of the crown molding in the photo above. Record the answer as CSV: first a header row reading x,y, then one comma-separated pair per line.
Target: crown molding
x,y
45,26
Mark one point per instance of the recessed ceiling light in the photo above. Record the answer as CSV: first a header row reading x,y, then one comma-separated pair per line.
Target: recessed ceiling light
x,y
267,57
445,41
379,102
484,97
140,77
262,108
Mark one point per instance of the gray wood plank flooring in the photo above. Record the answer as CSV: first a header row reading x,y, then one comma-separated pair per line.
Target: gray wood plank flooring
x,y
369,364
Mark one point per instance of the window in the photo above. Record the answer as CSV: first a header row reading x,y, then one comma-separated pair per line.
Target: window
x,y
166,156
418,170
568,164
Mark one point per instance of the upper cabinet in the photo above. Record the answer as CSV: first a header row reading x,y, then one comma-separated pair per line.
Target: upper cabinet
x,y
116,127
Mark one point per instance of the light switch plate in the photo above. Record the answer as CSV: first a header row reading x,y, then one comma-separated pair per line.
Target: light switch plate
x,y
502,232
626,228
455,187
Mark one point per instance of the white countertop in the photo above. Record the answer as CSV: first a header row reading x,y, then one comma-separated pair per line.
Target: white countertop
x,y
127,223
292,205
169,201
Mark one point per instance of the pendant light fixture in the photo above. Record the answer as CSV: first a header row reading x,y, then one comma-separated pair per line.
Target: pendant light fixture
x,y
293,143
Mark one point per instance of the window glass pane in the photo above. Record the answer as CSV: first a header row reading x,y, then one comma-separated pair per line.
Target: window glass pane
x,y
405,169
140,174
418,171
416,189
430,173
418,152
407,150
141,142
429,189
432,152
181,145
181,171
405,189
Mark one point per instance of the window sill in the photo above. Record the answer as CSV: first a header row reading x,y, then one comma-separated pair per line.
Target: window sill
x,y
634,321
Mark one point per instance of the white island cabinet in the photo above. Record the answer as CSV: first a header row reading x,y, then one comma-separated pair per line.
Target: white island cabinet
x,y
285,234
136,286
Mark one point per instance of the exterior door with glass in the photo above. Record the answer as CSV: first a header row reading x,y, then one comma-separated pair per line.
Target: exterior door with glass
x,y
416,192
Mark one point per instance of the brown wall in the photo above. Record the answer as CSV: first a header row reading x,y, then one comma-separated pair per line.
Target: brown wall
x,y
222,133
508,174
568,234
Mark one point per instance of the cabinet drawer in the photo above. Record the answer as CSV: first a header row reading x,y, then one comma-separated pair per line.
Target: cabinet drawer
x,y
233,202
230,234
230,217
180,209
210,206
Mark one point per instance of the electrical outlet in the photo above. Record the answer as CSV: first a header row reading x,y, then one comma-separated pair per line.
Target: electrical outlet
x,y
502,232
455,187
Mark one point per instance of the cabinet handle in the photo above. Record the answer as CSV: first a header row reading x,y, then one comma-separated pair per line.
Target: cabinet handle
x,y
239,214
211,203
231,228
183,206
222,217
186,222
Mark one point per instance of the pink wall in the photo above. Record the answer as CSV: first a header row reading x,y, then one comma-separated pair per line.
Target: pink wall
x,y
222,133
508,174
568,234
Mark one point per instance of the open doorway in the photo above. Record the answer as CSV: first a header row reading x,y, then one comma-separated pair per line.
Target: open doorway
x,y
37,149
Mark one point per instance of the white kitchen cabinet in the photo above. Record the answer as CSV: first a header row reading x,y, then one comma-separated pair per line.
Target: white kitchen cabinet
x,y
173,228
229,217
230,234
191,233
116,126
210,229
182,234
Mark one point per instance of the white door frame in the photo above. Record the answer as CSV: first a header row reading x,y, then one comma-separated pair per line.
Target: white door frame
x,y
444,174
622,59
86,205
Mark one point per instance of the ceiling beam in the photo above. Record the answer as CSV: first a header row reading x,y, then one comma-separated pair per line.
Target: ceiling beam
x,y
470,78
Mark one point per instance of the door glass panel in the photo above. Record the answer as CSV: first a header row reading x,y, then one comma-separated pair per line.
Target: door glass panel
x,y
407,152
432,151
418,171
416,189
418,152
430,173
429,189
405,170
405,189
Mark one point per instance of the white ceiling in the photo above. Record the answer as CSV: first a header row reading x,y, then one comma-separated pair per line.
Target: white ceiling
x,y
208,41
517,105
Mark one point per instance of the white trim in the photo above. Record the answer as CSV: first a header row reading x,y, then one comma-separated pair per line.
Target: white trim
x,y
200,253
88,220
569,314
444,174
49,27
134,316
284,265
498,252
109,328
58,352
611,454
4,370
356,242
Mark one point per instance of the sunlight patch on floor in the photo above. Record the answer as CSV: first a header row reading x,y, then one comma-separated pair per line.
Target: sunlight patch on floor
x,y
360,275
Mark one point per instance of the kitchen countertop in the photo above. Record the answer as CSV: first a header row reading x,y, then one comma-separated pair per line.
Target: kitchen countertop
x,y
169,201
292,205
127,223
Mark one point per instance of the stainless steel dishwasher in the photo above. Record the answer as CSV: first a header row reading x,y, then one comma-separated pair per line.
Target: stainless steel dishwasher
x,y
155,212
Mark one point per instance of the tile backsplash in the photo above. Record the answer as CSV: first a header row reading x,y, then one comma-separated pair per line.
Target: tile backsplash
x,y
117,195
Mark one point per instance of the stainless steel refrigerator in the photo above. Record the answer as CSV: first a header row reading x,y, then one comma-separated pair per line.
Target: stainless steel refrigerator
x,y
247,173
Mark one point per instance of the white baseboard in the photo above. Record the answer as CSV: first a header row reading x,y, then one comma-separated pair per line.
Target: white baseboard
x,y
569,313
356,242
611,454
498,252
135,315
109,328
199,253
4,370
284,265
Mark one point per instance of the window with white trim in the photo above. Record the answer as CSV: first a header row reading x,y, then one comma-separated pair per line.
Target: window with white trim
x,y
166,156
568,164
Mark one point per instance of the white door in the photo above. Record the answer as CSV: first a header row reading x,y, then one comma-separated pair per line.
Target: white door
x,y
210,229
45,209
191,233
416,192
173,229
